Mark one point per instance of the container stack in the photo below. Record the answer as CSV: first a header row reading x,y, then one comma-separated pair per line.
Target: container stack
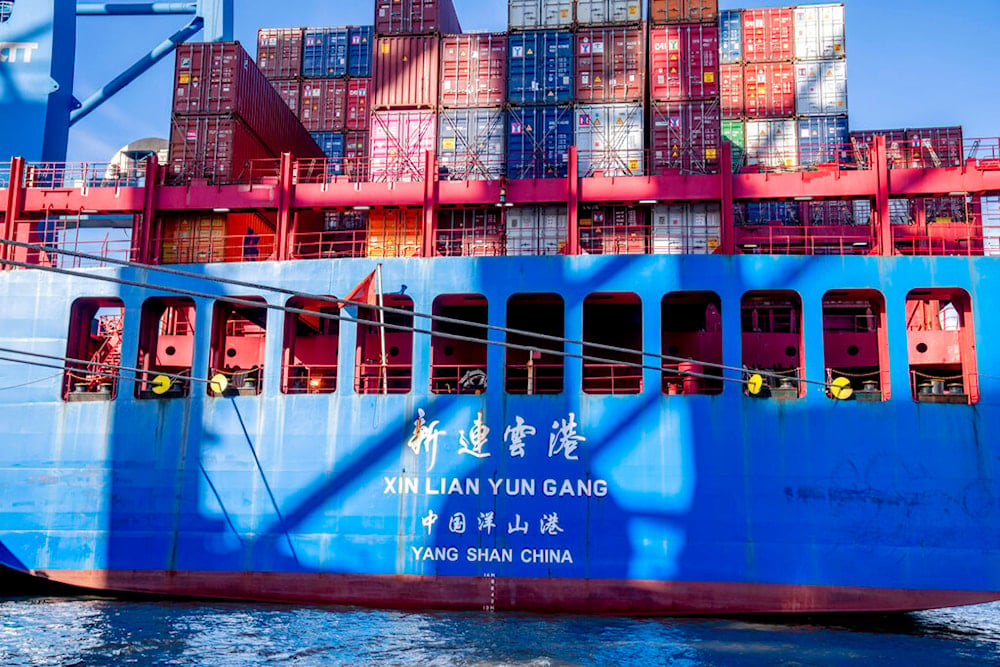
x,y
821,84
684,90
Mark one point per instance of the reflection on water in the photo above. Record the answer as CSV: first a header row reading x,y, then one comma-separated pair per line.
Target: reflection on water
x,y
94,631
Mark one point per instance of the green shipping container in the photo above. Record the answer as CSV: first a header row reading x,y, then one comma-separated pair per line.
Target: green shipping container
x,y
734,131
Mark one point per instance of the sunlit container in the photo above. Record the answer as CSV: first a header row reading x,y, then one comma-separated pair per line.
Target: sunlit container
x,y
935,147
772,144
685,229
324,104
471,144
683,62
218,148
537,14
415,17
538,141
331,143
290,91
614,230
399,141
823,140
324,52
769,90
472,232
200,238
279,52
473,70
730,36
394,232
735,132
608,12
821,87
360,42
897,147
768,35
536,230
540,67
683,11
609,65
358,105
406,72
610,139
685,137
820,32
731,91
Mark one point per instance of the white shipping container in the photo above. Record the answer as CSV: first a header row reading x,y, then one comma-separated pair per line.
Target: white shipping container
x,y
536,230
471,144
534,14
772,144
686,229
820,32
821,87
610,139
608,12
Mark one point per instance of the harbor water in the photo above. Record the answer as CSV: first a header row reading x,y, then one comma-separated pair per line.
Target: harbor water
x,y
102,631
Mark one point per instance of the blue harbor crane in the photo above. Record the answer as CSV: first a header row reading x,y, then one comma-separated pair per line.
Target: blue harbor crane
x,y
37,55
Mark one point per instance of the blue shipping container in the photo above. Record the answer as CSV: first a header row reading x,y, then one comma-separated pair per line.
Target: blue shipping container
x,y
540,67
759,213
324,53
332,145
823,140
538,141
359,50
730,36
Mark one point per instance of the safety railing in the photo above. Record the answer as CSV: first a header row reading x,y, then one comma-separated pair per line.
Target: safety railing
x,y
309,379
337,243
333,170
239,381
99,244
798,157
470,241
799,240
482,166
82,175
534,378
214,248
931,388
608,238
375,378
458,378
611,379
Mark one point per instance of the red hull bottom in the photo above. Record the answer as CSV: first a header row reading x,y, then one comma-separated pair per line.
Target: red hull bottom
x,y
603,596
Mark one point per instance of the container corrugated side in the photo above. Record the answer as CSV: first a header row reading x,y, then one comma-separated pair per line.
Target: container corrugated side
x,y
685,137
324,104
731,90
406,72
415,17
398,144
538,14
735,132
469,232
609,65
359,103
610,139
218,148
356,155
394,233
730,36
685,229
471,144
540,67
935,146
768,35
290,91
823,140
608,12
536,230
820,32
360,42
769,90
473,70
332,144
772,144
683,62
324,53
538,141
821,87
613,230
279,52
683,11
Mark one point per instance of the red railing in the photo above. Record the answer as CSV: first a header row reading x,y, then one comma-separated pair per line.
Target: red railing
x,y
611,379
337,243
82,175
374,378
214,248
309,379
534,378
458,378
244,382
798,240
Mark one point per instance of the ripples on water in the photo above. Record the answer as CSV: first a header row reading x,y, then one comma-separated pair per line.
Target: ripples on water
x,y
91,631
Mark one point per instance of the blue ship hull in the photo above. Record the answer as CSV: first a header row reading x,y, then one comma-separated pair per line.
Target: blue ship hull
x,y
662,504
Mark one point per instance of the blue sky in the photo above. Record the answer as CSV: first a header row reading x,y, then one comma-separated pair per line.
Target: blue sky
x,y
911,63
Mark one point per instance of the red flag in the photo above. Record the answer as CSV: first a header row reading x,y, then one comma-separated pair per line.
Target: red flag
x,y
365,290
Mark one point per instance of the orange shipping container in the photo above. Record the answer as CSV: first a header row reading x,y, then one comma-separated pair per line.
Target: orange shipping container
x,y
682,11
203,239
395,233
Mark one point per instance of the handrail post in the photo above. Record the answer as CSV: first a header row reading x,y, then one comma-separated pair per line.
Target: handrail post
x,y
727,230
285,232
883,220
13,206
573,204
430,204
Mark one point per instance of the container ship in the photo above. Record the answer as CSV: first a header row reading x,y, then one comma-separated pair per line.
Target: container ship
x,y
612,312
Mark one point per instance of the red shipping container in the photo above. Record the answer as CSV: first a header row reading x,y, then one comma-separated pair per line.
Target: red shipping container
x,y
614,230
897,147
769,90
399,142
356,155
609,65
474,70
684,62
216,148
415,17
358,109
686,137
220,78
279,52
935,146
290,91
324,104
681,11
768,35
731,92
406,72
